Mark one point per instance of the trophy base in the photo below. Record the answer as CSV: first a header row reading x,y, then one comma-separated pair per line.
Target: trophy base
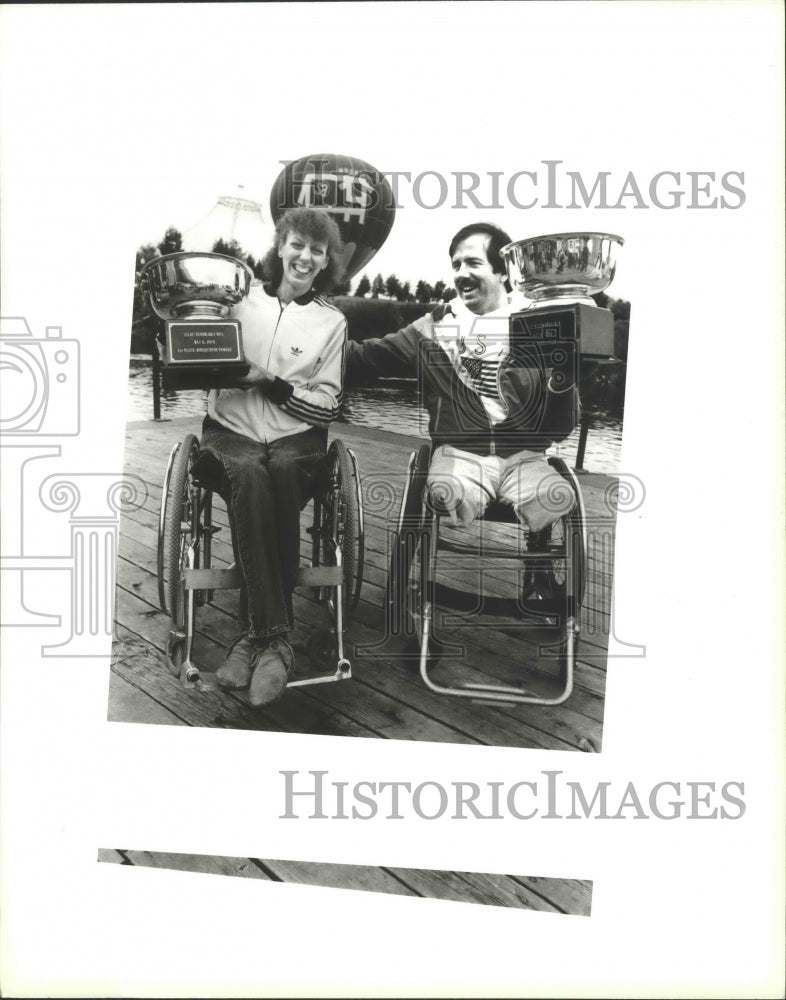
x,y
202,353
202,376
590,326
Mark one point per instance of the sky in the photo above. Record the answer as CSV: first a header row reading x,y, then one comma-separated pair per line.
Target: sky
x,y
195,127
165,129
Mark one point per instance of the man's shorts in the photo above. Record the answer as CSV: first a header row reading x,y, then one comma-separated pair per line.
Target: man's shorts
x,y
464,484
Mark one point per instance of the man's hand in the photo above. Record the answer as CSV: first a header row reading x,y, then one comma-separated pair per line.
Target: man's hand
x,y
256,375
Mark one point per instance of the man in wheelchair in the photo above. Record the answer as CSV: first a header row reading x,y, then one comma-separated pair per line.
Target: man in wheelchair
x,y
494,407
263,441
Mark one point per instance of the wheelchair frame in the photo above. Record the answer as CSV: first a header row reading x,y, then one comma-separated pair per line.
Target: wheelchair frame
x,y
187,579
412,601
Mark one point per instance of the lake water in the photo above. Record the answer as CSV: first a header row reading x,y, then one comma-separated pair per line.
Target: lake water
x,y
391,405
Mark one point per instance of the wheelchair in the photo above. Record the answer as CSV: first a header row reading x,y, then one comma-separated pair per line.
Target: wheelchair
x,y
187,578
552,576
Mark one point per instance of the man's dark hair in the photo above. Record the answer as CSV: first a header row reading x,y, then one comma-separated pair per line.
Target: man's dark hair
x,y
499,238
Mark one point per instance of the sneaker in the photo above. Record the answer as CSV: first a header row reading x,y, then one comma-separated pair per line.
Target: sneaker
x,y
542,597
272,667
235,672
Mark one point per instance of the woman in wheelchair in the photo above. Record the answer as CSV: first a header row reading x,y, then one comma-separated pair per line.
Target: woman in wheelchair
x,y
264,440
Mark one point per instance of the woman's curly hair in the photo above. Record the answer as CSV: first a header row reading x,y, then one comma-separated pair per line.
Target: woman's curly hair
x,y
314,224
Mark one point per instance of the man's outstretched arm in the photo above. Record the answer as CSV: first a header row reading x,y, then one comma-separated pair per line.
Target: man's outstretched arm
x,y
392,356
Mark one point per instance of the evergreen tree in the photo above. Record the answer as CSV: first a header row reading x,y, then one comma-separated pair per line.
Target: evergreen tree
x,y
424,292
229,248
377,286
364,287
393,286
172,241
144,255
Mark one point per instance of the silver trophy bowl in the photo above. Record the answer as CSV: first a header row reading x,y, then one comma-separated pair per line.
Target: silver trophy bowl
x,y
190,285
562,266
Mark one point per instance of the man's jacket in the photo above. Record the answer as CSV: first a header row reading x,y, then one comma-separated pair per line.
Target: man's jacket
x,y
431,349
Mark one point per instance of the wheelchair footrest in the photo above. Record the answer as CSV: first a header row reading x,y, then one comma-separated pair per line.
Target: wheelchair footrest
x,y
213,579
320,576
484,551
477,550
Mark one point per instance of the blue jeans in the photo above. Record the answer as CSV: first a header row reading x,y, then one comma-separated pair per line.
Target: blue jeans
x,y
265,487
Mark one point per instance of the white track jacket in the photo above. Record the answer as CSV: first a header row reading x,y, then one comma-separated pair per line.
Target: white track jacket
x,y
303,344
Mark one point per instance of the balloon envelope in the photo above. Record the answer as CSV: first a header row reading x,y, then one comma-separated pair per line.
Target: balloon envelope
x,y
356,194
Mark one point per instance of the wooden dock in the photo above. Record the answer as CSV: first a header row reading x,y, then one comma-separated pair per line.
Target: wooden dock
x,y
385,698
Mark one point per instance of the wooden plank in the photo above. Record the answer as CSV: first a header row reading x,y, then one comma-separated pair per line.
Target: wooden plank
x,y
108,856
128,703
472,887
545,895
208,865
568,895
224,710
336,876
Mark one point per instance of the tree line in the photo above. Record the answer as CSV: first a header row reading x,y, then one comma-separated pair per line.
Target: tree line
x,y
392,288
172,242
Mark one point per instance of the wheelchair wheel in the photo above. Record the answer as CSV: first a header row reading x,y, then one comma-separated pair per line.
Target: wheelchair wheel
x,y
180,526
341,522
405,544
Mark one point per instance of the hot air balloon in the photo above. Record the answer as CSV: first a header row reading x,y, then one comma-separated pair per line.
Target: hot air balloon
x,y
356,194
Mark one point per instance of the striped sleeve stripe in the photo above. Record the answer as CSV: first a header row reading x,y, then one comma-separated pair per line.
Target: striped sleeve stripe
x,y
309,411
319,421
310,414
304,404
324,302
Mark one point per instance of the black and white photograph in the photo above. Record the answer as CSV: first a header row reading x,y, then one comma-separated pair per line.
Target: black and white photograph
x,y
454,451
375,603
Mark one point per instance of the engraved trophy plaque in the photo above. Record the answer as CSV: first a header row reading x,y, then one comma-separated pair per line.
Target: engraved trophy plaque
x,y
194,293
